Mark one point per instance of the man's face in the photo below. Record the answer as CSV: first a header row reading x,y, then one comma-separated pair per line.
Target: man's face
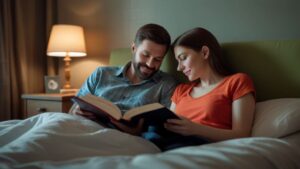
x,y
147,58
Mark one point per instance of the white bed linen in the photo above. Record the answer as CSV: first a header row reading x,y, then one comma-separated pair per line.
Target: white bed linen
x,y
73,142
60,136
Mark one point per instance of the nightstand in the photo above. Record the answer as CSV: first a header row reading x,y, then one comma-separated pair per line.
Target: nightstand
x,y
39,103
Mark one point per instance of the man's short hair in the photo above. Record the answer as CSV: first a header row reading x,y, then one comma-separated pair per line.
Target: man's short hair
x,y
153,32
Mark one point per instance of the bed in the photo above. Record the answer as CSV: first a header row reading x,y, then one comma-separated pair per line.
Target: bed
x,y
59,140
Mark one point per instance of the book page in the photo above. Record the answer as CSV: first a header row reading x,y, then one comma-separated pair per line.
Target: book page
x,y
105,105
139,110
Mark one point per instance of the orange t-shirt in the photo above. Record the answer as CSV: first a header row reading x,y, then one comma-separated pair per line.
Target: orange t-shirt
x,y
214,108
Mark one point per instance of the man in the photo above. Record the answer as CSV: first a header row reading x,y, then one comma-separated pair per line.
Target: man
x,y
140,81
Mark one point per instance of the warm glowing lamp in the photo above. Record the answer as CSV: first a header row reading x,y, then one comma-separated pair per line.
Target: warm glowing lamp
x,y
66,41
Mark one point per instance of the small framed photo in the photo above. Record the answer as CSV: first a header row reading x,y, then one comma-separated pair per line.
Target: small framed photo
x,y
52,84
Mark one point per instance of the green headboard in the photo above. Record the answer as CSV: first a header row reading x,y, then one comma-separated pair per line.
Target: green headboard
x,y
273,65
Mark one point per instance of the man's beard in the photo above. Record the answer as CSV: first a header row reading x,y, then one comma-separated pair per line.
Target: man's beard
x,y
140,74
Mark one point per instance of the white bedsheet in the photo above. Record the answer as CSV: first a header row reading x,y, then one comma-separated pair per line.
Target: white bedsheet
x,y
65,141
60,136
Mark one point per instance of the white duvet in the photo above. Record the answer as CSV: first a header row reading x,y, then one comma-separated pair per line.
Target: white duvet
x,y
57,140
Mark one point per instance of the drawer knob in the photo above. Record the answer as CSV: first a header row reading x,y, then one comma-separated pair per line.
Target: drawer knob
x,y
41,109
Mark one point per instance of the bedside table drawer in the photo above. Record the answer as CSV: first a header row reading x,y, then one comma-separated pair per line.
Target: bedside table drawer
x,y
40,103
39,106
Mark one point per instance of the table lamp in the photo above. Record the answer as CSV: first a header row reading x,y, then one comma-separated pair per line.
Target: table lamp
x,y
66,41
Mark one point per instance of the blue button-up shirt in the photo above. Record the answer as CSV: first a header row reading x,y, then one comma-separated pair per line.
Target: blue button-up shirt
x,y
112,84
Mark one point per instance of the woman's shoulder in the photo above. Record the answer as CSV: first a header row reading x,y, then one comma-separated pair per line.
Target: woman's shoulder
x,y
240,84
240,81
239,77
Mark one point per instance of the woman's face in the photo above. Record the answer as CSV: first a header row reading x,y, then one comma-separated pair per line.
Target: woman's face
x,y
192,63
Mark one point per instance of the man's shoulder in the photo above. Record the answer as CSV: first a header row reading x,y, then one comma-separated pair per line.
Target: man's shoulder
x,y
239,78
166,77
167,80
108,69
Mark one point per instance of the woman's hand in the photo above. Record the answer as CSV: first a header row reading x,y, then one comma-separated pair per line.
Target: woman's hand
x,y
131,130
182,126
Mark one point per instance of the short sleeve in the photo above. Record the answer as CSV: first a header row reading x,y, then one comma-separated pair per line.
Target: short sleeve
x,y
242,84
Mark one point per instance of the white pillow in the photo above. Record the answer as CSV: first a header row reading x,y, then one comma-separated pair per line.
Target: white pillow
x,y
277,117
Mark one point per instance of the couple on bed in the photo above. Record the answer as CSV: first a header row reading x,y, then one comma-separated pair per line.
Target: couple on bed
x,y
214,106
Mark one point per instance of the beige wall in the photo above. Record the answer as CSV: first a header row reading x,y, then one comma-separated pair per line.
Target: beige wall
x,y
112,23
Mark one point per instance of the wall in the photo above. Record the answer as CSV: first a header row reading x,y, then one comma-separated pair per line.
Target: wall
x,y
112,23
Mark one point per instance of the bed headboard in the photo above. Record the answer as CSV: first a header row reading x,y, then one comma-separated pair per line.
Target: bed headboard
x,y
273,65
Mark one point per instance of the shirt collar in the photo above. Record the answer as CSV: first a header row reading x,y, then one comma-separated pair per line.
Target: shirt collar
x,y
122,73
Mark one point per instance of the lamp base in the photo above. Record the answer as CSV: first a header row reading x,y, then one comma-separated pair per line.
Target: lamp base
x,y
66,91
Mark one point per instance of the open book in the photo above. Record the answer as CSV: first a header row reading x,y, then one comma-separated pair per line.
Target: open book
x,y
154,114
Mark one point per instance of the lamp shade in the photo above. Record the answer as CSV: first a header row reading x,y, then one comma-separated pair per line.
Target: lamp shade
x,y
66,40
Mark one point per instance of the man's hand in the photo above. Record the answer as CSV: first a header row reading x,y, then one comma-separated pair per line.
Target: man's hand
x,y
75,110
131,130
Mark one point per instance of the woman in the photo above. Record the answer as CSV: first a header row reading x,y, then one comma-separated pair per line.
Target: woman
x,y
215,105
